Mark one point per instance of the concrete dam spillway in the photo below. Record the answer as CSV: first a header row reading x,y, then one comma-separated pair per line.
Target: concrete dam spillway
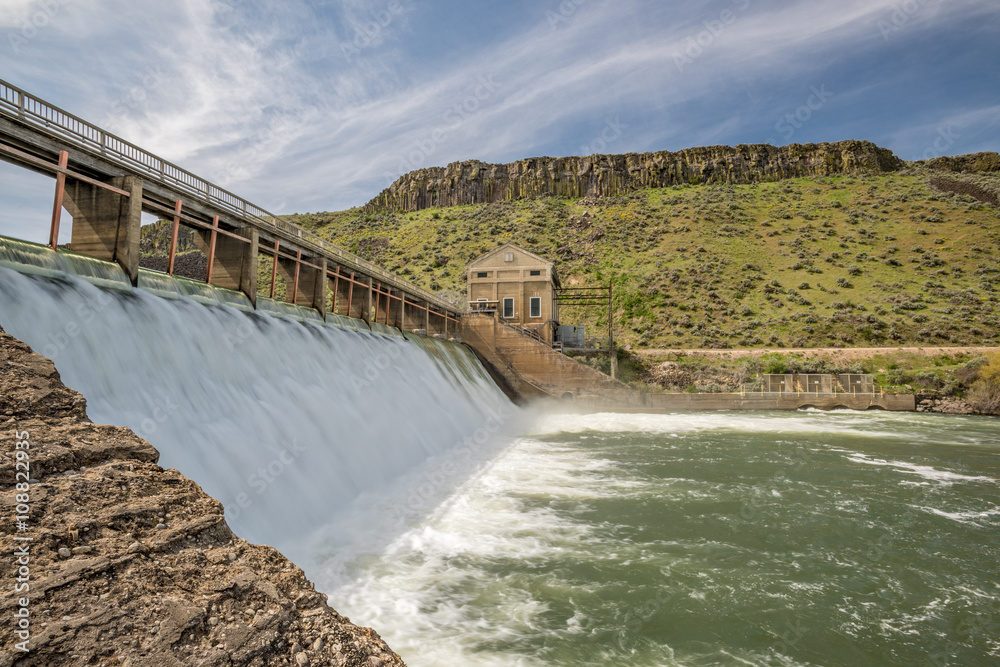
x,y
286,422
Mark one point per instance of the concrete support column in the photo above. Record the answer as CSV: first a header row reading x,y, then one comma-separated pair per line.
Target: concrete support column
x,y
106,224
345,293
366,300
311,289
396,310
354,299
332,288
437,325
235,263
414,317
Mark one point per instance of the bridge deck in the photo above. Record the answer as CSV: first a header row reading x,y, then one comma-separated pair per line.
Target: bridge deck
x,y
34,134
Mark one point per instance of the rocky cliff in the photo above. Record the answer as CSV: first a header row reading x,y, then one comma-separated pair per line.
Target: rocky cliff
x,y
969,164
133,565
474,182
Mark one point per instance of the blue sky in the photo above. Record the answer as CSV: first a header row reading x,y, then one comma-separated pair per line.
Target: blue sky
x,y
318,105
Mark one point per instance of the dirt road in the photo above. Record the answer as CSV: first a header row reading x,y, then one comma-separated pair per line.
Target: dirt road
x,y
833,353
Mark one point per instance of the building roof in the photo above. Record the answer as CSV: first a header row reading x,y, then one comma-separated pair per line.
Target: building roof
x,y
509,246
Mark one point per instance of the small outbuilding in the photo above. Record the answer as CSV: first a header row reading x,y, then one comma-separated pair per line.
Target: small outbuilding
x,y
517,285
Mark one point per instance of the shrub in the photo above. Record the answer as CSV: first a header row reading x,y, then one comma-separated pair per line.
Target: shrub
x,y
898,376
984,396
775,364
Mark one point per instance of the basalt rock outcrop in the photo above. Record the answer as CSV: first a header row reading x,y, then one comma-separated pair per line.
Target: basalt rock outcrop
x,y
974,163
475,182
132,565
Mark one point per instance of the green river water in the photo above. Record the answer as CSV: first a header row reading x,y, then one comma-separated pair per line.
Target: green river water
x,y
804,538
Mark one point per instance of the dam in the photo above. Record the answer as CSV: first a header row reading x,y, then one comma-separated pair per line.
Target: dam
x,y
176,370
468,530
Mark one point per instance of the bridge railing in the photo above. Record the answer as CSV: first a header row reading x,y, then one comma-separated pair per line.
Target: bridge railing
x,y
38,113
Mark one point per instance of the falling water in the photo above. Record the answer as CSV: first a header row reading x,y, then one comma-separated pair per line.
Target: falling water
x,y
286,422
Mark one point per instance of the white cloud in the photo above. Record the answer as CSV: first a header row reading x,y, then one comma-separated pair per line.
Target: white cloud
x,y
272,100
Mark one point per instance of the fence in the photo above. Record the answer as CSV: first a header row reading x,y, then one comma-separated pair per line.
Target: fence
x,y
819,383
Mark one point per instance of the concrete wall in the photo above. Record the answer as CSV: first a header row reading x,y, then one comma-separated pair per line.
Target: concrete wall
x,y
540,365
671,402
534,370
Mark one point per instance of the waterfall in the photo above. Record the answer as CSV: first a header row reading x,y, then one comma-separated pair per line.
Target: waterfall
x,y
287,422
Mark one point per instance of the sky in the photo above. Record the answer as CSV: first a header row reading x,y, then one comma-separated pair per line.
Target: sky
x,y
314,105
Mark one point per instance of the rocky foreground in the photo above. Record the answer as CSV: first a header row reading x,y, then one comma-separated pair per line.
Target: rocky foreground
x,y
130,564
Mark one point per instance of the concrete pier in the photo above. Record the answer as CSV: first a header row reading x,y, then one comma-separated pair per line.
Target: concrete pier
x,y
105,223
234,263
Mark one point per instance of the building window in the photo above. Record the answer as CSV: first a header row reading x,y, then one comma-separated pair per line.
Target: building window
x,y
508,306
535,309
482,274
508,257
535,273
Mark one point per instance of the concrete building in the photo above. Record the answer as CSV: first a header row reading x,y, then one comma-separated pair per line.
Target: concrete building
x,y
519,287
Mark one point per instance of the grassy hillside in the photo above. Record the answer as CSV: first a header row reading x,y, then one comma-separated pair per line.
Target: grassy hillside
x,y
827,261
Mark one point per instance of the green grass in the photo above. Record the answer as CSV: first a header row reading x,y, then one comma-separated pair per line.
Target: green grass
x,y
810,262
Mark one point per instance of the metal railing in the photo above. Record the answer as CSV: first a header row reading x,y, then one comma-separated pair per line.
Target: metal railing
x,y
40,115
523,330
483,306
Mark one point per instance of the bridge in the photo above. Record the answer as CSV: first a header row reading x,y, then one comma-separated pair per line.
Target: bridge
x,y
106,183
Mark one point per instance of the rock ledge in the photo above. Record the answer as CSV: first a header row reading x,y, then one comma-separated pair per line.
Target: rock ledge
x,y
134,565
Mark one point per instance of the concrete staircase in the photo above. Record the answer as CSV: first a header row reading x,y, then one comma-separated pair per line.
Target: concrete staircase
x,y
533,369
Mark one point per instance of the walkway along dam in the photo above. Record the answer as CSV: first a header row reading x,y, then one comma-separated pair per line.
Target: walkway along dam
x,y
105,183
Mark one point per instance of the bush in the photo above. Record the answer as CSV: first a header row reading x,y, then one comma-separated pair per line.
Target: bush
x,y
775,364
898,376
984,396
